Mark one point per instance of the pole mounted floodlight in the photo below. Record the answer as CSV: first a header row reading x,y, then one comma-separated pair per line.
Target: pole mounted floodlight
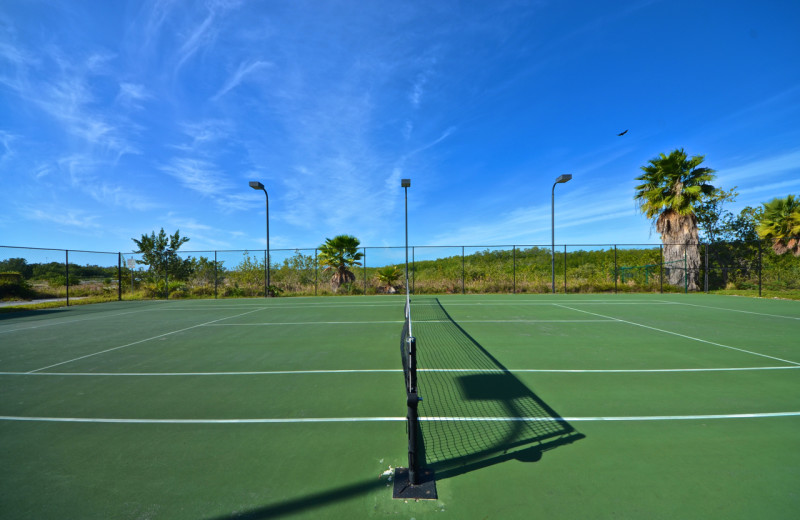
x,y
560,180
258,186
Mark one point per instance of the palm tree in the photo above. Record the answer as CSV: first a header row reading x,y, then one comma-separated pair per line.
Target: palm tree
x,y
780,222
388,277
338,254
671,186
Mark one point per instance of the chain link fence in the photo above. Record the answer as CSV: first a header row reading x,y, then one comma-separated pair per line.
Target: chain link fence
x,y
747,268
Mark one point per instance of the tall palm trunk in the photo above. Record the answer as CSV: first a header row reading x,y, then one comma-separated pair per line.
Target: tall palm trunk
x,y
341,277
681,252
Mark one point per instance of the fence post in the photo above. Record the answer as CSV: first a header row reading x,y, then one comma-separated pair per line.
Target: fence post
x,y
66,252
705,246
615,268
365,270
462,270
316,272
413,271
661,267
514,263
760,260
685,270
119,277
565,268
215,274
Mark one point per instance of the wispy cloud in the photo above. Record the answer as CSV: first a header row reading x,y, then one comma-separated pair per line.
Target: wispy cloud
x,y
778,189
5,146
757,170
65,217
82,172
204,133
197,175
131,95
236,79
205,33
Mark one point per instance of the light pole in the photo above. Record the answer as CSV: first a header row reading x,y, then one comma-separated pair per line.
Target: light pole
x,y
258,186
560,180
406,183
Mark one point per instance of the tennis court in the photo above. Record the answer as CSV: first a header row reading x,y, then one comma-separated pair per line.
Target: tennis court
x,y
549,406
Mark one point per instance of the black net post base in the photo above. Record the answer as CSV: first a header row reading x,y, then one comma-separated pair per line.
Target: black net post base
x,y
425,490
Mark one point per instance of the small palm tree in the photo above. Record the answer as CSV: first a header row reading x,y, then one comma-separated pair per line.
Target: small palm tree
x,y
388,277
339,254
671,186
780,222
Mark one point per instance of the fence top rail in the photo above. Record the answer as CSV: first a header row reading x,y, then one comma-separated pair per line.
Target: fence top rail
x,y
62,250
496,246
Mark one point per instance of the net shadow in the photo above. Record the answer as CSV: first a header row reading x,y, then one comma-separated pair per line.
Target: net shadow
x,y
475,412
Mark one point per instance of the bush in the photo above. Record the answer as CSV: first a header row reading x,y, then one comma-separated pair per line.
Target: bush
x,y
13,287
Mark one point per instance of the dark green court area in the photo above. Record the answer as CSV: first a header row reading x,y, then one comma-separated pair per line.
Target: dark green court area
x,y
534,406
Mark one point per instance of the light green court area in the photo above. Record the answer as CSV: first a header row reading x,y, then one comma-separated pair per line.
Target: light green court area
x,y
555,406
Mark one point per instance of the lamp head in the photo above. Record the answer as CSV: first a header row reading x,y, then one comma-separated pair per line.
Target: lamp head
x,y
405,183
256,185
563,178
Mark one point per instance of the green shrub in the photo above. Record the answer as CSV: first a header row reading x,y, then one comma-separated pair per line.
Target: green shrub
x,y
14,287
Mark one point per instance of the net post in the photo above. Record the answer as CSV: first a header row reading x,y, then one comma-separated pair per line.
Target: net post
x,y
412,402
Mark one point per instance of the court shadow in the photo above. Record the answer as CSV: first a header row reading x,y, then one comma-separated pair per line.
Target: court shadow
x,y
307,502
15,312
475,412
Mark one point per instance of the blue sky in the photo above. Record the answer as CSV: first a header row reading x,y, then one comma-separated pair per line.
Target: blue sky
x,y
119,118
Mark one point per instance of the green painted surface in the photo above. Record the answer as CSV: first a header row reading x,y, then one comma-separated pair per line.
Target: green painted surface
x,y
560,466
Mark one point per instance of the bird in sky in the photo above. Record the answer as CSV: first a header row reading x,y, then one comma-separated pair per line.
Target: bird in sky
x,y
623,133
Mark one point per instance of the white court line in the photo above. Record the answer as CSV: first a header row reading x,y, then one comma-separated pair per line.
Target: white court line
x,y
737,310
267,324
400,321
573,302
286,420
682,335
68,322
398,370
140,341
299,306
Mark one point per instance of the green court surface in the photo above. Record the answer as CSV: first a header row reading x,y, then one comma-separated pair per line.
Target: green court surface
x,y
535,406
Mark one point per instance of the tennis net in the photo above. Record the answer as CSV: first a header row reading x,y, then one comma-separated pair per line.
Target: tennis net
x,y
407,351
